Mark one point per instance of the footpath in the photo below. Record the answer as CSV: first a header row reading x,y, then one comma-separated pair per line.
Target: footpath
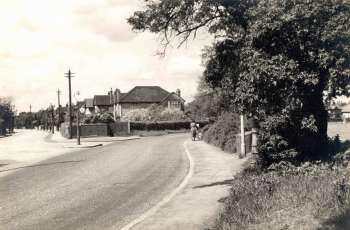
x,y
197,205
27,147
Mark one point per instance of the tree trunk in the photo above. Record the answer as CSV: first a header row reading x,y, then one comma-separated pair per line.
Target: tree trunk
x,y
314,144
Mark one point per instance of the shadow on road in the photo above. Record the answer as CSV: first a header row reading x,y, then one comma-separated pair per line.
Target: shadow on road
x,y
225,182
40,165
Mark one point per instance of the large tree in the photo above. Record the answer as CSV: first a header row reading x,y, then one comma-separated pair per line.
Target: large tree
x,y
274,60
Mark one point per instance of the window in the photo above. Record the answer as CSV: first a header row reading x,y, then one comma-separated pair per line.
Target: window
x,y
174,104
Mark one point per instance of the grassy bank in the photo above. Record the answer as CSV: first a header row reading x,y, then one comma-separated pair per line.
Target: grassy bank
x,y
313,196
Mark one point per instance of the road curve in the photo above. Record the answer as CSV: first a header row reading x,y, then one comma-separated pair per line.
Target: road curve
x,y
93,189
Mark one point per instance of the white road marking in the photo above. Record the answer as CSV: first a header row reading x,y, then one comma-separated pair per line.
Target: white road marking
x,y
167,198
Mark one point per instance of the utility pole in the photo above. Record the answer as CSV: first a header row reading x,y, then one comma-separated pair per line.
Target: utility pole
x,y
52,119
30,108
59,109
69,75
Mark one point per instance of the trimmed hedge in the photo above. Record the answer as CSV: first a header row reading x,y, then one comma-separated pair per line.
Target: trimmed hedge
x,y
164,125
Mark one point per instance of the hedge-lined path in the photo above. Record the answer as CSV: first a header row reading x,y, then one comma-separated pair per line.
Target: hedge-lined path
x,y
93,188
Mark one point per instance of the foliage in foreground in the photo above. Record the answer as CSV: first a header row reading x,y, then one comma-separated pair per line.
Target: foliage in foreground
x,y
273,60
312,196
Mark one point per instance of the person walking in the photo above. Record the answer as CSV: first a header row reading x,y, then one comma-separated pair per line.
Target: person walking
x,y
193,130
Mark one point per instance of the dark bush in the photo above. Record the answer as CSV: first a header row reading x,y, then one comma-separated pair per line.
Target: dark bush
x,y
223,132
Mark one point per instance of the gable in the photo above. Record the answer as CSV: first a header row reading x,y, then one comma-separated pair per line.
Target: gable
x,y
145,94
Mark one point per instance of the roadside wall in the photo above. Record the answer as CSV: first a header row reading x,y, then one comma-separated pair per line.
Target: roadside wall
x,y
119,128
86,130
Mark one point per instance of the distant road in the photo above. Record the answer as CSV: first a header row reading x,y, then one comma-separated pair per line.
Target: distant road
x,y
95,188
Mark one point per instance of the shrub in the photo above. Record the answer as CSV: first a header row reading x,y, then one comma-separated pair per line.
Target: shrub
x,y
154,113
223,132
171,115
105,117
136,115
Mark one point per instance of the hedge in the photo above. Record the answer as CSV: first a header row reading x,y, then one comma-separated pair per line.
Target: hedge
x,y
164,125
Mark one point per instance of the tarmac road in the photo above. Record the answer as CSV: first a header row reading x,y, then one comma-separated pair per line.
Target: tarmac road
x,y
95,188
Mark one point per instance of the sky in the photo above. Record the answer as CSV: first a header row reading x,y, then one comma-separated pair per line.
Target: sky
x,y
40,40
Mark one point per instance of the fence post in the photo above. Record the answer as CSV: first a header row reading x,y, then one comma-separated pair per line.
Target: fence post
x,y
243,152
254,141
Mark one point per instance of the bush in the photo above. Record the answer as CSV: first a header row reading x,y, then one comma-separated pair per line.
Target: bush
x,y
154,113
98,118
136,115
223,132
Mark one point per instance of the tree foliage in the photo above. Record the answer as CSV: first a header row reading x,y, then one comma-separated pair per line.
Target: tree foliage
x,y
6,115
273,59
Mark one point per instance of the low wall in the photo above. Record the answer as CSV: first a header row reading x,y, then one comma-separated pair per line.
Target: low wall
x,y
124,128
86,130
121,128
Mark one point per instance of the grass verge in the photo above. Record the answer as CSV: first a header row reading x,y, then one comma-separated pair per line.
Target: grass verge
x,y
312,196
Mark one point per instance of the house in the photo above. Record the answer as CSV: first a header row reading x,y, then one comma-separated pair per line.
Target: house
x,y
140,97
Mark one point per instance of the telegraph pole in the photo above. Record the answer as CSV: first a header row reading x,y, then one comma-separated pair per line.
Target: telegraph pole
x,y
30,108
69,75
59,109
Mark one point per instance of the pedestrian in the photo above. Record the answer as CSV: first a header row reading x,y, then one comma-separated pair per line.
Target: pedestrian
x,y
193,130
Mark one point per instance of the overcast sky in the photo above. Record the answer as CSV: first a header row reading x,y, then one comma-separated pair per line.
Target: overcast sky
x,y
40,40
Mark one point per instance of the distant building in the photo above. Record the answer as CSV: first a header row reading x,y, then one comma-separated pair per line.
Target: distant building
x,y
139,97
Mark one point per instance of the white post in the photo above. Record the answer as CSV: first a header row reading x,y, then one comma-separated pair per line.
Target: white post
x,y
243,153
114,113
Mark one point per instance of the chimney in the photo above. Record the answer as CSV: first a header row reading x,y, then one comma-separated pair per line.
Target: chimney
x,y
178,92
117,96
110,94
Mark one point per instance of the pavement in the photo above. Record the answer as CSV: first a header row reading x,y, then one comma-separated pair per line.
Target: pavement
x,y
26,147
163,182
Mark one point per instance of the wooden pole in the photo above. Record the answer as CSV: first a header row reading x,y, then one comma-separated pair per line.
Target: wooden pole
x,y
78,128
69,75
59,109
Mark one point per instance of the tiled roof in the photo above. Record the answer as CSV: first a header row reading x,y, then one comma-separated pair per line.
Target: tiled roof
x,y
151,94
102,100
89,102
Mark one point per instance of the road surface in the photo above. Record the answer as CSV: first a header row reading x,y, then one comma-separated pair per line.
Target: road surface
x,y
93,189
